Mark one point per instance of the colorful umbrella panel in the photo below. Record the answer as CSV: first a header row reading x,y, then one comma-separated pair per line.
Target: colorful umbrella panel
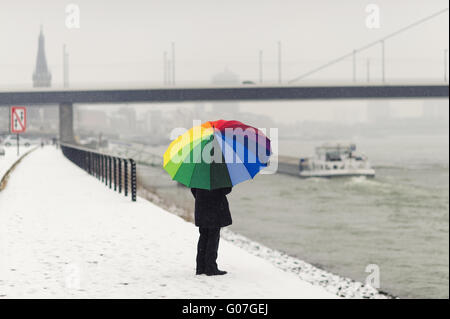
x,y
217,154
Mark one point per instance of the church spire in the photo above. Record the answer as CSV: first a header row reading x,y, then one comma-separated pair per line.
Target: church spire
x,y
41,76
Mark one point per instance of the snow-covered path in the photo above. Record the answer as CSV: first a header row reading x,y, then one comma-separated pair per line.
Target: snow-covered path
x,y
10,157
64,235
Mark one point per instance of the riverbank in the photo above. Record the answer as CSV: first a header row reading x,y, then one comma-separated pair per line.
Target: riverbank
x,y
397,221
337,285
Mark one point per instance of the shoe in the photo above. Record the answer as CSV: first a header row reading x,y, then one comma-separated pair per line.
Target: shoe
x,y
216,272
200,272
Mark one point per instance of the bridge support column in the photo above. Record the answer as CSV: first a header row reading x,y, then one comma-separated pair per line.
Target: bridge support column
x,y
66,123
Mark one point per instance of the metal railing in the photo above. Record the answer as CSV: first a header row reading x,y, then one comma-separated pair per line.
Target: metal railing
x,y
139,153
115,172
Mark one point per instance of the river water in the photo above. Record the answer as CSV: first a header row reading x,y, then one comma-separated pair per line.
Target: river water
x,y
398,221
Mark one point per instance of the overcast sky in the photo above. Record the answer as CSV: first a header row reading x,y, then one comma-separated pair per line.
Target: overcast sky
x,y
123,41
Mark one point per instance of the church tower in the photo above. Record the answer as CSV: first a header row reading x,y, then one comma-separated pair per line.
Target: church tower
x,y
41,76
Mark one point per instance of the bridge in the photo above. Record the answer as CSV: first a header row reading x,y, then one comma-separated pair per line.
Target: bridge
x,y
66,98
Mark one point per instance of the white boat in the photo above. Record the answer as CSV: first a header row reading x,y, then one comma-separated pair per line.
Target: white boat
x,y
336,160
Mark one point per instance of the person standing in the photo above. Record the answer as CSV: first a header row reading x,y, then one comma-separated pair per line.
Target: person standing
x,y
211,213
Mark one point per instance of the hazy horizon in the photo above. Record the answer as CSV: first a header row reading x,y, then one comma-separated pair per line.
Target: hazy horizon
x,y
122,43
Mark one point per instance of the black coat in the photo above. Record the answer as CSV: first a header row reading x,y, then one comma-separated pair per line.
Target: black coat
x,y
211,207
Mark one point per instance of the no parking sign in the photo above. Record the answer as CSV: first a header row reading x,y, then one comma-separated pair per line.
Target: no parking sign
x,y
18,119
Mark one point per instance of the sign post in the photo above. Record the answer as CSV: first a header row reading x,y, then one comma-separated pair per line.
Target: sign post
x,y
18,122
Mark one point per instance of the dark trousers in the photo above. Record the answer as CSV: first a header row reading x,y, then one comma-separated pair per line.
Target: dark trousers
x,y
208,244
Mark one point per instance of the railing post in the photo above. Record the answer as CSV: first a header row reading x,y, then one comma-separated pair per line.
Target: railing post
x,y
89,163
133,180
83,160
106,170
93,163
105,179
110,171
97,157
115,173
120,175
98,166
125,182
101,168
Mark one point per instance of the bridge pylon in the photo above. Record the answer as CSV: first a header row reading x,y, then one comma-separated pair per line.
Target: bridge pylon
x,y
66,123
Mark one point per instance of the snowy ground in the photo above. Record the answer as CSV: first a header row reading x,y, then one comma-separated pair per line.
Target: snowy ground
x,y
64,235
10,157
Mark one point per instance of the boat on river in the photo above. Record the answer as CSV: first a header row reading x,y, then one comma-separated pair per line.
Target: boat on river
x,y
336,160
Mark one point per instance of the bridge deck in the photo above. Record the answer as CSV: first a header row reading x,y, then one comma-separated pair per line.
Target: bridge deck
x,y
241,93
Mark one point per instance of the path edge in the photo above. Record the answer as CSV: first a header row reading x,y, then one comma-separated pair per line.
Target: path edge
x,y
5,177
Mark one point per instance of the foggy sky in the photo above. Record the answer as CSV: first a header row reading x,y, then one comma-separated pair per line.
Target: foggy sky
x,y
123,41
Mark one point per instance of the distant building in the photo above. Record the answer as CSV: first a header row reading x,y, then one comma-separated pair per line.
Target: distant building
x,y
42,118
92,120
342,115
435,109
124,121
50,118
225,78
378,111
155,126
199,112
225,110
34,118
4,120
41,76
257,120
154,121
128,114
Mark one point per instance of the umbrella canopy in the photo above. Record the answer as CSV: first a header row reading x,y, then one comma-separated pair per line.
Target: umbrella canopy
x,y
217,154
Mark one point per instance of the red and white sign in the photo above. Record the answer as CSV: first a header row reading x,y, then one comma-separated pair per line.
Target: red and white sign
x,y
18,119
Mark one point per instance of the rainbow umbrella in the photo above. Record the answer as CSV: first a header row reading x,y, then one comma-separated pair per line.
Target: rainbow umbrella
x,y
217,154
